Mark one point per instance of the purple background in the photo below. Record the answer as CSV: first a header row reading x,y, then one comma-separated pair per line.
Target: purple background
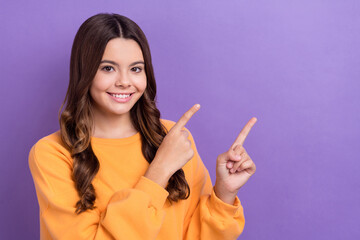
x,y
294,64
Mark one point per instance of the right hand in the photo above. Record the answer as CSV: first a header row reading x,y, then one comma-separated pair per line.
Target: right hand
x,y
174,151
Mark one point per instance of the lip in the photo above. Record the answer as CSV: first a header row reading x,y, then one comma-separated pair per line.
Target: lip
x,y
121,100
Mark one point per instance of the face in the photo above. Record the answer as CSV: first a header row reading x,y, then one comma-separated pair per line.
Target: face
x,y
120,79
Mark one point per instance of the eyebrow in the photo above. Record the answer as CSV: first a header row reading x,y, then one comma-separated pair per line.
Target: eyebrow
x,y
114,63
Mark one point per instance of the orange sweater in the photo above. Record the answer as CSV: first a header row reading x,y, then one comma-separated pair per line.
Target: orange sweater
x,y
129,205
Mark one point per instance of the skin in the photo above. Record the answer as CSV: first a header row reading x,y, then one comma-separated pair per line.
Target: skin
x,y
123,72
233,169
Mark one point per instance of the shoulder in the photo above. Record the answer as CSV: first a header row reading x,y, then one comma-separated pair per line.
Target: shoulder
x,y
48,150
51,165
51,142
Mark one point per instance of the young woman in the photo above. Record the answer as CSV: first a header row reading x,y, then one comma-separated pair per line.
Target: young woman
x,y
115,170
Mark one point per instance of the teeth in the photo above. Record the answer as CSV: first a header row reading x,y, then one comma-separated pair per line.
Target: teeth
x,y
120,95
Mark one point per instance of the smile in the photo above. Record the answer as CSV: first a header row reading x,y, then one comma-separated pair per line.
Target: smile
x,y
120,95
121,98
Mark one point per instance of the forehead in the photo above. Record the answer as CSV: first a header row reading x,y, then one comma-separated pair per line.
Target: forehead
x,y
122,50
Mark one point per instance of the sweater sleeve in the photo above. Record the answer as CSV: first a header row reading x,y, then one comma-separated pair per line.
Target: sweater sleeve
x,y
135,213
211,218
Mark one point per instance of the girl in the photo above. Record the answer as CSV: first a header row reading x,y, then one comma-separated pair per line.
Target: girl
x,y
115,170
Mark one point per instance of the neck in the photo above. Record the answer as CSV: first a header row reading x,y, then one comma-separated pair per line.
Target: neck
x,y
113,126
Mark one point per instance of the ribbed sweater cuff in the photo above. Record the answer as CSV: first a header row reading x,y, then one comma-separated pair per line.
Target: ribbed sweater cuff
x,y
222,209
157,193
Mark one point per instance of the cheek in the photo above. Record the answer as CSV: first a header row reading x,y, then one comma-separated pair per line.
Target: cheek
x,y
144,85
99,84
92,92
97,87
141,84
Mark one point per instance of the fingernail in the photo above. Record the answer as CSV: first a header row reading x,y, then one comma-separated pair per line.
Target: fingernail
x,y
197,106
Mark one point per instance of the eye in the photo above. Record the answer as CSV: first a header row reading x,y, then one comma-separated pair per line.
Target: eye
x,y
108,68
136,69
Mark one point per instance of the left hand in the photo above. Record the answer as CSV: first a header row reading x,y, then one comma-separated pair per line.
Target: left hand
x,y
233,172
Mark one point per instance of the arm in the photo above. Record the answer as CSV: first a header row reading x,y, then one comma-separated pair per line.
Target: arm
x,y
127,211
211,218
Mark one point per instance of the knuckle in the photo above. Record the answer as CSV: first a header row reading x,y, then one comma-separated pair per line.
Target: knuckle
x,y
187,115
230,153
243,152
235,152
249,163
239,152
185,133
243,165
222,155
191,154
237,147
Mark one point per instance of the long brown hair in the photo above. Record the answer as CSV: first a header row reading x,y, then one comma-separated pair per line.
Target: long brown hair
x,y
76,121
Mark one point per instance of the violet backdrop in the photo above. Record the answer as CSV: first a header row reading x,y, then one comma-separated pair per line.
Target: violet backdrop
x,y
293,64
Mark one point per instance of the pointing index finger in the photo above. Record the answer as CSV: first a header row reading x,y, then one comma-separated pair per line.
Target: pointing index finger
x,y
244,132
186,117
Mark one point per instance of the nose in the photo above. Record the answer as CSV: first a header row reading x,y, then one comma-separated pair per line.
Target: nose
x,y
123,80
